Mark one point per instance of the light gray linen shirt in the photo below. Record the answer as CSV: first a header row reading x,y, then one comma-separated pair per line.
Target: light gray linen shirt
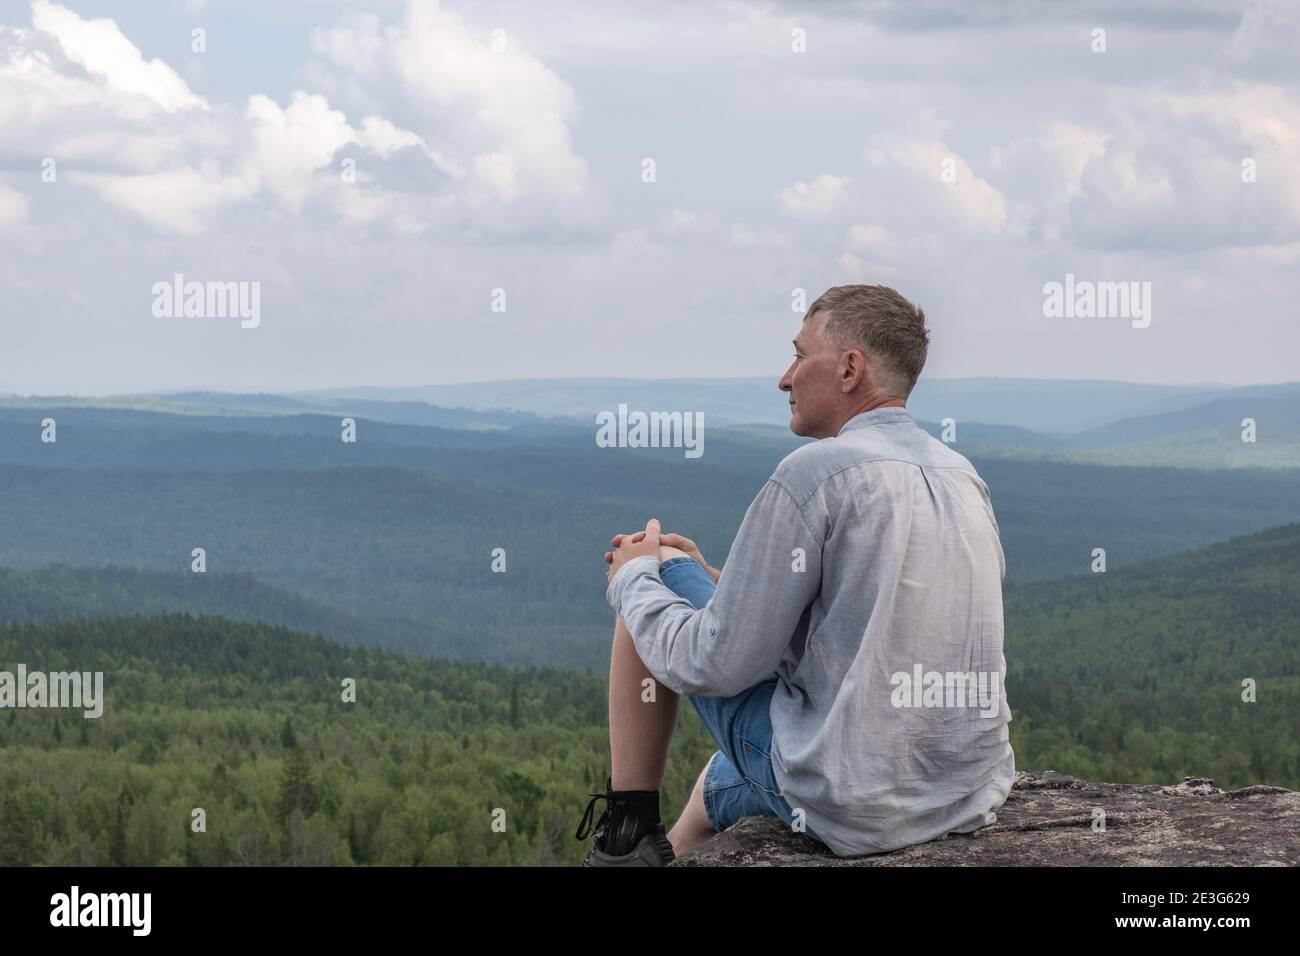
x,y
867,558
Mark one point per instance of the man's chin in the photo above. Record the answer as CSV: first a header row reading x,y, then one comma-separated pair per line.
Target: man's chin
x,y
801,427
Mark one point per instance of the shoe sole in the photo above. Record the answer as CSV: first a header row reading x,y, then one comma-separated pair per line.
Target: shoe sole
x,y
651,851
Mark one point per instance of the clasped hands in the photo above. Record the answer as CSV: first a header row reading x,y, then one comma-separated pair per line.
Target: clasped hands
x,y
646,544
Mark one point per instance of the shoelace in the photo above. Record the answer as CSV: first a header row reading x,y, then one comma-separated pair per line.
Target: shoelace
x,y
590,814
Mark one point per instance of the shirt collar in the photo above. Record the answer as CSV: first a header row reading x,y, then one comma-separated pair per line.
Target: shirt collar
x,y
877,416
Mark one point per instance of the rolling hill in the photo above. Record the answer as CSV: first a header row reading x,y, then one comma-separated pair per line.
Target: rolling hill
x,y
1133,676
390,541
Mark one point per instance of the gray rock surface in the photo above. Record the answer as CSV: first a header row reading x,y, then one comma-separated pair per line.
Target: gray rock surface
x,y
1048,821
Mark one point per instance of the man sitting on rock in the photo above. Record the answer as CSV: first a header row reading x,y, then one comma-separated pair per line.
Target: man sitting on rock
x,y
869,561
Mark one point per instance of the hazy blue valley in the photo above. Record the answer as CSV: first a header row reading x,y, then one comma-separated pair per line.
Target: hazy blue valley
x,y
373,560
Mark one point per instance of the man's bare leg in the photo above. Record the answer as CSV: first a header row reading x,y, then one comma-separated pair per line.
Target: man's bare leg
x,y
640,730
692,827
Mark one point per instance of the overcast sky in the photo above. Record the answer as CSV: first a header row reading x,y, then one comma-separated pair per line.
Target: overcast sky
x,y
964,152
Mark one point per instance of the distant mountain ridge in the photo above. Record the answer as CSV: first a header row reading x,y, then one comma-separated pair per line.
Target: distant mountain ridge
x,y
1042,412
1057,407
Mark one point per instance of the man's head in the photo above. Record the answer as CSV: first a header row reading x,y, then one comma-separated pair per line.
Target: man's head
x,y
861,347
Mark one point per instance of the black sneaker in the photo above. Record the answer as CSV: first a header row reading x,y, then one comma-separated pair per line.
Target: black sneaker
x,y
652,849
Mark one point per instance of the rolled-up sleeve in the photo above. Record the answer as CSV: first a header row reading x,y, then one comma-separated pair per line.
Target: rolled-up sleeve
x,y
772,574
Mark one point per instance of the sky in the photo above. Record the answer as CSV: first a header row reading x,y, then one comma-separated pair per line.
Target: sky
x,y
423,192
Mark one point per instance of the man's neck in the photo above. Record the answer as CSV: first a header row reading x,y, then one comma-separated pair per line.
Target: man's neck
x,y
879,400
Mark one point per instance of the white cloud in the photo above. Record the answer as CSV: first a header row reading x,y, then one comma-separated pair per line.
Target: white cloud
x,y
100,47
814,200
472,173
854,269
908,175
876,246
290,145
746,238
280,154
500,114
383,138
366,207
1041,173
684,222
1267,25
357,46
181,201
13,206
872,238
495,129
1170,175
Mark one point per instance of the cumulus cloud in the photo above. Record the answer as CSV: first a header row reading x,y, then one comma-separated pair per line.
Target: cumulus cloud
x,y
88,94
492,128
486,160
277,155
684,222
383,138
1175,173
746,238
814,200
494,111
100,48
1041,173
180,200
13,206
924,178
871,238
1267,26
871,247
290,144
856,270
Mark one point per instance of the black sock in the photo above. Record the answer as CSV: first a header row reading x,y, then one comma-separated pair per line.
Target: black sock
x,y
633,814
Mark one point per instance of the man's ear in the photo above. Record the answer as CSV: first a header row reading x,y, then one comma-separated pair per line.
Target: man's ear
x,y
854,368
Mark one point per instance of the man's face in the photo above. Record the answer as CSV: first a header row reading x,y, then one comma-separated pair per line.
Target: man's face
x,y
812,380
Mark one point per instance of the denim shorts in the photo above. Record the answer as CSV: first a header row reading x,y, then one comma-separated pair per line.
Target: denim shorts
x,y
739,781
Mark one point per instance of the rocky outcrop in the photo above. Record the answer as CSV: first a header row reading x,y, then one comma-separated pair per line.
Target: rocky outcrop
x,y
1048,821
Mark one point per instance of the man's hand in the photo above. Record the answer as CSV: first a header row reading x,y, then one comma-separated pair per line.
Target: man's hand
x,y
683,543
678,541
629,547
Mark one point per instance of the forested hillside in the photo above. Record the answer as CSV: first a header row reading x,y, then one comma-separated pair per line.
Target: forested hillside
x,y
60,593
248,723
391,541
1129,676
1138,675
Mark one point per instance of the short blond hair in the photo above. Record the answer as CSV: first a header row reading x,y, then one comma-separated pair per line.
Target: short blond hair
x,y
878,320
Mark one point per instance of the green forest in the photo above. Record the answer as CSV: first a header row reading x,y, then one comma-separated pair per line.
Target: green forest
x,y
248,722
389,542
1125,677
481,696
1136,676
